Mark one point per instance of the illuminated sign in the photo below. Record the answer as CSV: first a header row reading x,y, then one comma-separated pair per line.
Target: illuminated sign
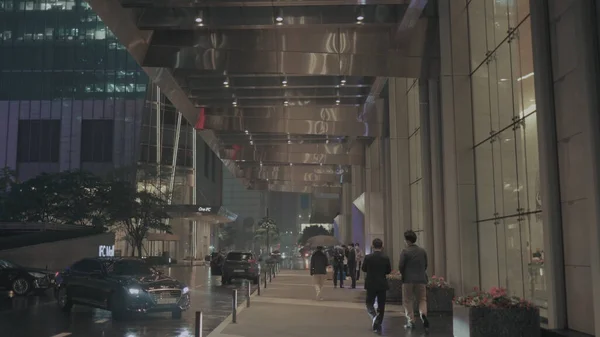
x,y
106,251
204,209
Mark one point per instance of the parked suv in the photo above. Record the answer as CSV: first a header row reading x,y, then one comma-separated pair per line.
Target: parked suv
x,y
240,265
121,285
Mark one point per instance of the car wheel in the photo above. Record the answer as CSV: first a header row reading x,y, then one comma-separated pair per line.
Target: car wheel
x,y
176,314
21,286
117,308
225,280
63,300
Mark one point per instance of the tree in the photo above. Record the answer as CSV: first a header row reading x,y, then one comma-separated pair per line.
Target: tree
x,y
136,213
267,232
311,231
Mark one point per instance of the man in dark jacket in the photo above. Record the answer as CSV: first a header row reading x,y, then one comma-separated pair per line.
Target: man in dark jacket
x,y
413,268
338,266
352,264
318,270
377,266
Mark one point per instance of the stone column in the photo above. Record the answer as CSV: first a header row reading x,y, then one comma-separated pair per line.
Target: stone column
x,y
357,216
462,254
428,241
437,190
345,225
399,166
374,226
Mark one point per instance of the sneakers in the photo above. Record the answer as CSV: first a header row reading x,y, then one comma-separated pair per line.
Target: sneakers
x,y
409,325
425,321
376,326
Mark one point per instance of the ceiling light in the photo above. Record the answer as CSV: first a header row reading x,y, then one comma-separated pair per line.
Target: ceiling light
x,y
234,102
327,141
337,101
289,142
226,82
291,164
251,143
261,164
320,164
360,15
246,131
286,103
199,20
343,81
279,16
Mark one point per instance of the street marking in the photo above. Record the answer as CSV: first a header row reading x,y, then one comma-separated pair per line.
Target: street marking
x,y
62,334
104,320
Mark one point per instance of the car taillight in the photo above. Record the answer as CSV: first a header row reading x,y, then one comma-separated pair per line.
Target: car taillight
x,y
56,274
252,261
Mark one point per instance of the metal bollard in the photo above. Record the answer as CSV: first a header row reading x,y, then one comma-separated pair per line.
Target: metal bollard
x,y
234,306
248,293
265,279
270,274
198,325
258,288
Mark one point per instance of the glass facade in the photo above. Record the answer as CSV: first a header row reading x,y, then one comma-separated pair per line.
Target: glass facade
x,y
71,96
506,149
414,144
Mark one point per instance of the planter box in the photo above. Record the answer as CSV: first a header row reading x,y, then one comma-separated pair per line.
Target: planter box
x,y
394,293
439,300
492,322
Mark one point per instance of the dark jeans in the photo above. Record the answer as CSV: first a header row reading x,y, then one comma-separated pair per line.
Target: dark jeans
x,y
352,272
338,272
380,295
358,271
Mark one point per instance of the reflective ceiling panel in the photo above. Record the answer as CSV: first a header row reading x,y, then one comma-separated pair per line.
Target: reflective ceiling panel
x,y
286,92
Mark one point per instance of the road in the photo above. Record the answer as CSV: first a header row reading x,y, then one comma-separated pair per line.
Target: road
x,y
38,316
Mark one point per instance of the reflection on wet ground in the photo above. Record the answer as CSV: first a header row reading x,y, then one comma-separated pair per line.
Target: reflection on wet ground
x,y
38,316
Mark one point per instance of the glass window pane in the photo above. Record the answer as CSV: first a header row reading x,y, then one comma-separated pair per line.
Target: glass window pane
x,y
514,256
517,11
522,46
535,260
506,153
481,104
477,31
484,165
488,254
502,66
496,13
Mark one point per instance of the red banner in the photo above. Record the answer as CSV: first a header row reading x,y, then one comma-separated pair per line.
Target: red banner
x,y
201,120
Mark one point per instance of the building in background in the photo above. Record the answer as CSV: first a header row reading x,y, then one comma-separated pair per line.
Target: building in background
x,y
71,97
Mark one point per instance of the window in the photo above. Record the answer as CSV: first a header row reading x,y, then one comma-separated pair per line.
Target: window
x,y
87,266
38,141
239,257
207,152
97,141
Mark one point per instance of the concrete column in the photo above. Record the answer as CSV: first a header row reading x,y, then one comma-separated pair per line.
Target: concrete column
x,y
374,226
357,216
568,83
437,190
345,225
426,173
399,165
462,254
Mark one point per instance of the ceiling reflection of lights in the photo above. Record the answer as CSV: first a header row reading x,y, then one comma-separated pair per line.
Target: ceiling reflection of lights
x,y
524,77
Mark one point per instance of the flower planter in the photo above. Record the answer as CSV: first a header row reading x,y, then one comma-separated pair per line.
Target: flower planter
x,y
495,322
394,293
439,300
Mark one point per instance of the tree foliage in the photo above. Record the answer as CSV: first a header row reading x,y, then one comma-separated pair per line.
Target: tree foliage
x,y
267,232
311,231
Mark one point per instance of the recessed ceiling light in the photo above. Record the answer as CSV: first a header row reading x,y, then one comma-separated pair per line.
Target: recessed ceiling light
x,y
343,81
289,142
286,103
226,82
234,103
291,164
337,101
246,131
279,16
320,164
251,143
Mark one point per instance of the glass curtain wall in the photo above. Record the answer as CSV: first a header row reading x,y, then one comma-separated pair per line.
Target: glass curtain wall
x,y
506,149
414,144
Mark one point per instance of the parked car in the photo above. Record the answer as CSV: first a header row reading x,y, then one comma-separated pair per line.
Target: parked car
x,y
121,285
23,280
240,265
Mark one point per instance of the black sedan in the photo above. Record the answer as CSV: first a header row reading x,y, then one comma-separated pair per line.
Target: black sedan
x,y
23,280
121,285
240,265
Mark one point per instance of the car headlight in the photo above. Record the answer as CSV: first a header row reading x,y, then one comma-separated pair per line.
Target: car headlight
x,y
134,291
37,275
185,290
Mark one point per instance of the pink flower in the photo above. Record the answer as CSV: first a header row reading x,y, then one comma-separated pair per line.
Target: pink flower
x,y
434,277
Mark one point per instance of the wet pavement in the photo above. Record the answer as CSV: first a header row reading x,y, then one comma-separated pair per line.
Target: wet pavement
x,y
38,315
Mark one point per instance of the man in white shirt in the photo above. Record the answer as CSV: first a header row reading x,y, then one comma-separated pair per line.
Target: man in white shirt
x,y
359,259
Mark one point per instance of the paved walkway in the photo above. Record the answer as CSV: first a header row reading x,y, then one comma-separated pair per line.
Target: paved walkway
x,y
287,308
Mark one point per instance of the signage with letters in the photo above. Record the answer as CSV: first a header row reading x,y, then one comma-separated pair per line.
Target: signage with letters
x,y
204,209
106,251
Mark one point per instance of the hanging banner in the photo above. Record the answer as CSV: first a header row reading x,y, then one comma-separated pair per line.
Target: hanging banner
x,y
201,120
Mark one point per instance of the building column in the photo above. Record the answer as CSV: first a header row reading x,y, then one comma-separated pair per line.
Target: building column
x,y
399,165
437,192
462,254
374,226
345,225
357,216
428,240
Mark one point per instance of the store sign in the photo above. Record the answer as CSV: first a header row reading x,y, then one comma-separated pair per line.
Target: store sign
x,y
106,251
204,209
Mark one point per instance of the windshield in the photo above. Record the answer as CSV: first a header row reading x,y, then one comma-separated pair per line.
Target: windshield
x,y
8,264
131,267
239,256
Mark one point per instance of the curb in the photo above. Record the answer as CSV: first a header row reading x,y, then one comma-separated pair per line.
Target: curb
x,y
219,329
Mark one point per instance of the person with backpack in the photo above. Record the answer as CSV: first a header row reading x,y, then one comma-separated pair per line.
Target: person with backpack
x,y
338,266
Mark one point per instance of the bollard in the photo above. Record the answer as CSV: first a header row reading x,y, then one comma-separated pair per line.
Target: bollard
x,y
265,279
270,274
234,306
248,293
258,288
198,326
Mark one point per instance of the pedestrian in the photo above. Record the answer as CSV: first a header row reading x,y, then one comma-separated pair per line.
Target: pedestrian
x,y
352,264
338,266
413,268
377,266
359,259
318,270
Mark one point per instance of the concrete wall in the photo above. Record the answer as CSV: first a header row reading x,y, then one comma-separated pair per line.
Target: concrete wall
x,y
60,254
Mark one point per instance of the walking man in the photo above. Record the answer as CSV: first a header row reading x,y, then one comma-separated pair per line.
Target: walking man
x,y
338,266
352,265
413,268
359,259
318,270
377,266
